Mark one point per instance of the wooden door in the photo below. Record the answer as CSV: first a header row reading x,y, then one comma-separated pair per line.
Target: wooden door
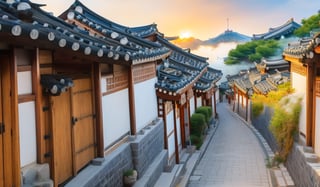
x,y
1,137
9,142
62,142
83,131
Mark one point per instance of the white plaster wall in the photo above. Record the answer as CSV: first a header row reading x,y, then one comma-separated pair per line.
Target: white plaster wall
x,y
217,96
171,145
145,103
178,131
317,126
170,122
199,102
116,117
27,128
192,105
24,82
299,84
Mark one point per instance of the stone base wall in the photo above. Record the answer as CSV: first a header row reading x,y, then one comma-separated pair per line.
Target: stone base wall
x,y
303,167
261,123
147,146
139,153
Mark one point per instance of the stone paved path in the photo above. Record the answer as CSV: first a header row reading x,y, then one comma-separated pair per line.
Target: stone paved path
x,y
234,157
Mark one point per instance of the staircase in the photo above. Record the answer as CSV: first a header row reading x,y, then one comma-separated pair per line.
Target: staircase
x,y
36,175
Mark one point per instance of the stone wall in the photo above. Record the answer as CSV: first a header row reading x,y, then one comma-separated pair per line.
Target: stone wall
x,y
303,167
147,146
261,123
109,173
140,152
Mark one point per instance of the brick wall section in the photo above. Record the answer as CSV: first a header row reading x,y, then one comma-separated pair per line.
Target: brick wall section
x,y
302,172
147,146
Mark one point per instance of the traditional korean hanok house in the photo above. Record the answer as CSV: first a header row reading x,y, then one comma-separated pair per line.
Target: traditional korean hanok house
x,y
51,88
303,57
141,79
128,91
192,66
262,79
283,30
206,90
181,76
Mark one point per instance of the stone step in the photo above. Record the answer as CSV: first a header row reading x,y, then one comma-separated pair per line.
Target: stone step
x,y
36,175
168,178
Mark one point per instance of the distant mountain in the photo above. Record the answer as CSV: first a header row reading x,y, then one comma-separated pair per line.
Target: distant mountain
x,y
191,43
226,37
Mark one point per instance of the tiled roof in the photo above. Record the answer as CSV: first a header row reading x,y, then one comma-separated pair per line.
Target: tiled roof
x,y
83,14
273,64
252,81
274,33
193,68
208,80
38,25
303,48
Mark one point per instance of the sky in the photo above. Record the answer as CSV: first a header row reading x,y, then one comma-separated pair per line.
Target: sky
x,y
202,19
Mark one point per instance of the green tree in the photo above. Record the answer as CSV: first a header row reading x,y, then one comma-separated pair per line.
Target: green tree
x,y
308,25
252,51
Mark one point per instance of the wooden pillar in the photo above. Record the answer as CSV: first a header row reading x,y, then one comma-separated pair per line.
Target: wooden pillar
x,y
195,101
176,145
133,127
165,134
309,103
214,103
182,126
189,118
246,108
36,89
98,109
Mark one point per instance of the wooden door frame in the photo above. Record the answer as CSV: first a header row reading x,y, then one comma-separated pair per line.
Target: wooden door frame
x,y
10,119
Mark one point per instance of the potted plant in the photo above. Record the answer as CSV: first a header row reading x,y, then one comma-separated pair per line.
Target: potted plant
x,y
130,177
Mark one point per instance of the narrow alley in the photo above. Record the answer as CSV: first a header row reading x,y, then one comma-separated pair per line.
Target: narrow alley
x,y
234,156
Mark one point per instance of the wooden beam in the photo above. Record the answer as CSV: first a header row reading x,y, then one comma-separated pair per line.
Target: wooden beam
x,y
98,109
182,126
214,103
176,145
309,103
36,89
133,126
165,134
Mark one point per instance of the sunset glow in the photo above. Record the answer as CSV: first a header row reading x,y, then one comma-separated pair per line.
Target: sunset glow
x,y
206,18
185,34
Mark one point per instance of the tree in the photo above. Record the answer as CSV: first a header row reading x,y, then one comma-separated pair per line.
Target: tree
x,y
252,51
308,25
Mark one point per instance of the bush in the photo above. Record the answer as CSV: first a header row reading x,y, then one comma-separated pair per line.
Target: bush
x,y
197,141
206,111
198,123
257,108
284,126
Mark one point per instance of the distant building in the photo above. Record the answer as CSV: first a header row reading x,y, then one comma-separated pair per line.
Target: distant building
x,y
261,79
284,30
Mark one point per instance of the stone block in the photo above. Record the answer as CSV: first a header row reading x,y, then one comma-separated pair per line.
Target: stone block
x,y
308,149
43,172
97,161
312,158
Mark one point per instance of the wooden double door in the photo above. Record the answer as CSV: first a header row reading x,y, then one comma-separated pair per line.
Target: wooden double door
x,y
73,129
